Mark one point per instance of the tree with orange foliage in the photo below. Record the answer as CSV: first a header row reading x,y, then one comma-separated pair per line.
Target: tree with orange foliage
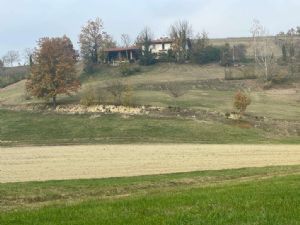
x,y
53,69
241,102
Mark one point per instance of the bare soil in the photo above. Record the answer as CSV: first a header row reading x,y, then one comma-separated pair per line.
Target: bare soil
x,y
21,164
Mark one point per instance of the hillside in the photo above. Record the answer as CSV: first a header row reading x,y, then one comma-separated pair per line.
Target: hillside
x,y
198,116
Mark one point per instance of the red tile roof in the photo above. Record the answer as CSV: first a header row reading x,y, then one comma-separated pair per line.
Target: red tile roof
x,y
121,49
162,40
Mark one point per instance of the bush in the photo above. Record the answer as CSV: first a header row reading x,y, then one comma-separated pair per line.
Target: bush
x,y
167,57
93,95
91,68
88,97
122,94
147,59
127,70
209,54
241,102
174,89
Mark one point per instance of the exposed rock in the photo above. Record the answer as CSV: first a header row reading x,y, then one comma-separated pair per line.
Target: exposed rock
x,y
79,109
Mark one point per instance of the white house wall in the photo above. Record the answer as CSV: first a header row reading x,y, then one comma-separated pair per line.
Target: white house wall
x,y
157,48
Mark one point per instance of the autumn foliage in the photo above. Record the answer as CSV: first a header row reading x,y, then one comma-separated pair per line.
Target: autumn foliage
x,y
53,71
241,102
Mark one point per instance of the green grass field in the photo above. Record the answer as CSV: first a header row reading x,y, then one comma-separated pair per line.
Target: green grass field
x,y
27,128
244,196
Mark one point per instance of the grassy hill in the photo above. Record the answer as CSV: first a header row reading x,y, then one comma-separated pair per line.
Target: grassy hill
x,y
205,88
206,100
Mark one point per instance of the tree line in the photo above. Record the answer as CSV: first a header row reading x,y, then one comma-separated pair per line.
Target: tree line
x,y
94,40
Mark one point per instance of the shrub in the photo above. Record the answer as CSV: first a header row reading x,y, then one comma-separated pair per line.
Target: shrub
x,y
88,96
167,57
209,54
127,70
147,60
174,89
241,102
93,95
91,68
121,93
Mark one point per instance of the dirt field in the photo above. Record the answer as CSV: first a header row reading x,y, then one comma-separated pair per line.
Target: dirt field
x,y
73,162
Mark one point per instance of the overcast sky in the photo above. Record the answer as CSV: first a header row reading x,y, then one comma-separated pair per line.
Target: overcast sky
x,y
23,22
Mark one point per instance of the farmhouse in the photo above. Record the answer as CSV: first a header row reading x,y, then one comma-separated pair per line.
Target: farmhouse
x,y
115,56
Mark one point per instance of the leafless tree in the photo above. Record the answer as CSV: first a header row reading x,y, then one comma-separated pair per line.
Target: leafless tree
x,y
126,42
174,89
11,57
181,33
263,51
255,31
27,55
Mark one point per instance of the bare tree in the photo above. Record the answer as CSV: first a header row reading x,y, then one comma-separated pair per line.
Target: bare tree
x,y
174,89
11,57
126,42
181,33
263,51
27,55
255,31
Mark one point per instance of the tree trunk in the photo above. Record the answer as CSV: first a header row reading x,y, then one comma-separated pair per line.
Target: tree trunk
x,y
54,102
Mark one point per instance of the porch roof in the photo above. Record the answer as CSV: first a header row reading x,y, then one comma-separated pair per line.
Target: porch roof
x,y
132,48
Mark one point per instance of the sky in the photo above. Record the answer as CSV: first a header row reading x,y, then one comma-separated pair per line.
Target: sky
x,y
23,22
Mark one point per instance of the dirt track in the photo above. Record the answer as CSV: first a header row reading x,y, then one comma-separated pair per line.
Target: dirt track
x,y
72,162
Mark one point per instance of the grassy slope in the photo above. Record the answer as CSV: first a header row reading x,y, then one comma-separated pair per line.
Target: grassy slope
x,y
244,196
53,129
264,103
36,128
